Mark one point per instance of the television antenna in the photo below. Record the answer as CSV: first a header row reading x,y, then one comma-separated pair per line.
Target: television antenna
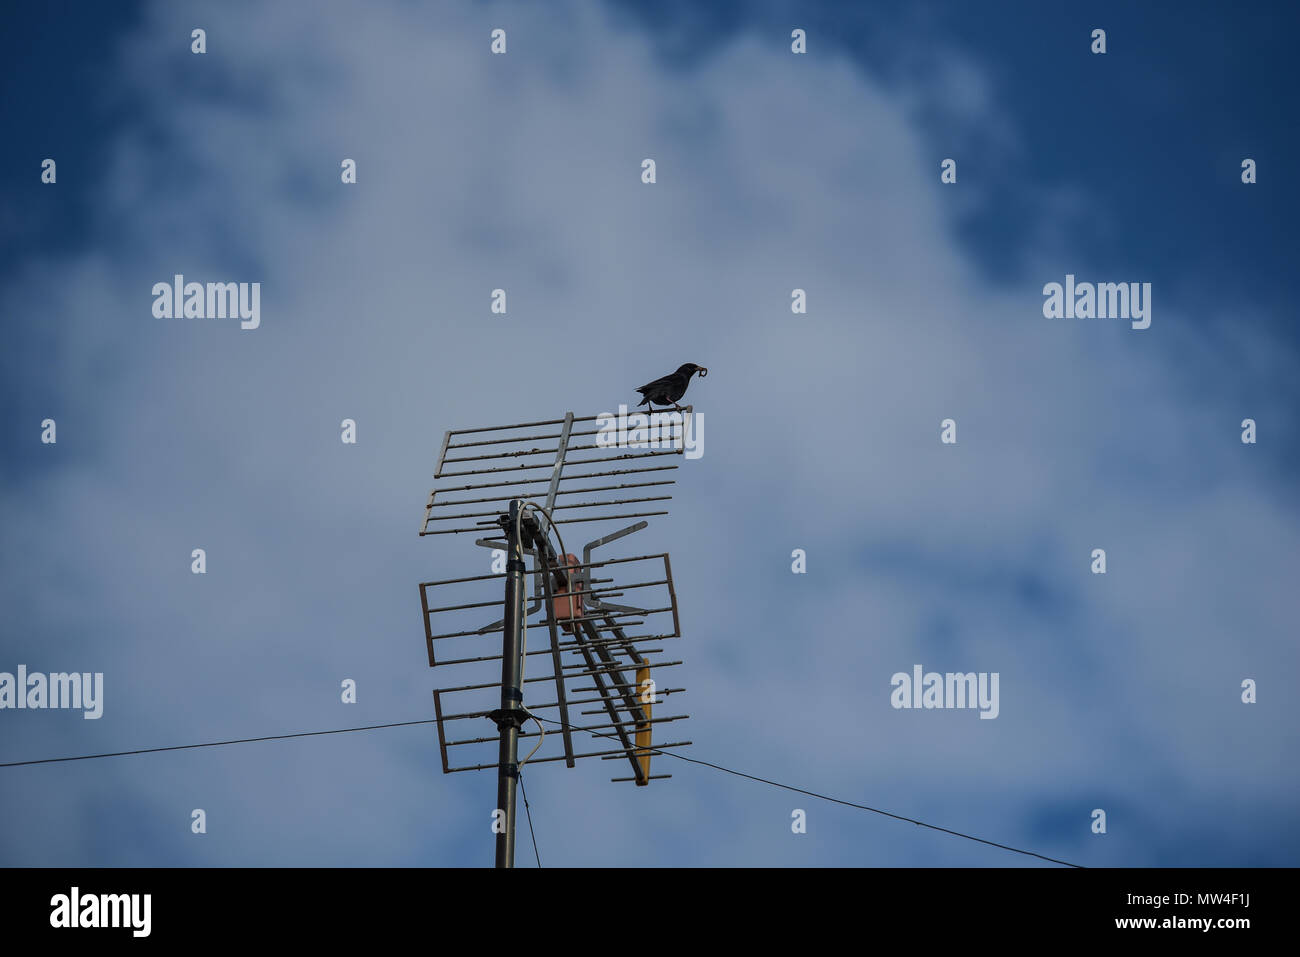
x,y
600,614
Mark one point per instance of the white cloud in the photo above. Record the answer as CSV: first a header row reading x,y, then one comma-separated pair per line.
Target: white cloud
x,y
523,171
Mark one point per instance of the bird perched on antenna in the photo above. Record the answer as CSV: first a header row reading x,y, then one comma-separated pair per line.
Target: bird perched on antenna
x,y
670,388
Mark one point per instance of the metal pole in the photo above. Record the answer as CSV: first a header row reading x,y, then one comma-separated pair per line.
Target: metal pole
x,y
511,714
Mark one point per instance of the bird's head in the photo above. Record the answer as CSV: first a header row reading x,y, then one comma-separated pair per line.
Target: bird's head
x,y
690,368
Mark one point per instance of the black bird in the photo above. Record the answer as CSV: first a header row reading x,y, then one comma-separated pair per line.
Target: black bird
x,y
670,388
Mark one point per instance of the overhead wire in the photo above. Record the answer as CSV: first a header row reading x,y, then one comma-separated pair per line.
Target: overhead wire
x,y
529,812
215,744
826,797
651,750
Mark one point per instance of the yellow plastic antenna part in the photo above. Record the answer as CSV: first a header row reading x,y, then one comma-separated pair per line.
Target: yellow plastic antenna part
x,y
643,729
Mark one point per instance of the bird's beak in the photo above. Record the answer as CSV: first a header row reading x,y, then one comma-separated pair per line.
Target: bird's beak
x,y
703,372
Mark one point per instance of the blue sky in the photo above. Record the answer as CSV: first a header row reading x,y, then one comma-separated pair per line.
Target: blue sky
x,y
775,171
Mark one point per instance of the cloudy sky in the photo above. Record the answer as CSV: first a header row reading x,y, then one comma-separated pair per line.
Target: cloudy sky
x,y
775,171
